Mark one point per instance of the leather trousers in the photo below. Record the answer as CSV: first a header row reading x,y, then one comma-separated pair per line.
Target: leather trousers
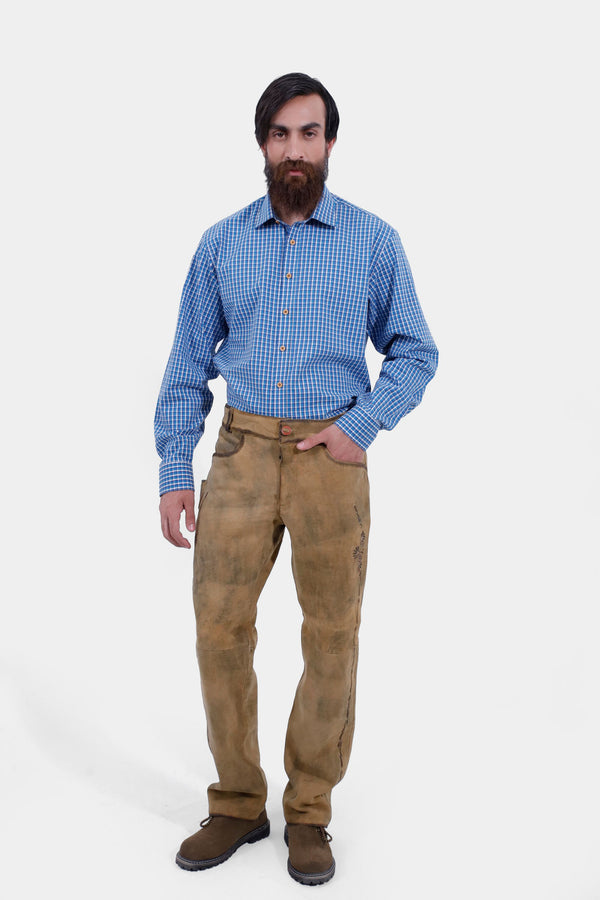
x,y
259,484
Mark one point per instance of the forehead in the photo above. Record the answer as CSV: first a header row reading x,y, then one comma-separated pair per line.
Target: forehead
x,y
299,111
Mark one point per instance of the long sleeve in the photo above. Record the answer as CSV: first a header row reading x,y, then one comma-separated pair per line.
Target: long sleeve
x,y
185,400
398,329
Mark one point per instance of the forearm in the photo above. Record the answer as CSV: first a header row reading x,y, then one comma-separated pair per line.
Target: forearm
x,y
399,389
398,330
185,398
179,425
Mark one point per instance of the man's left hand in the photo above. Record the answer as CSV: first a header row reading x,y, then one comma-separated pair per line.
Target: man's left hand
x,y
341,447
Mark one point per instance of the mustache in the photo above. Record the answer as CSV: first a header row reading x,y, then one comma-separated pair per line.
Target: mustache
x,y
295,165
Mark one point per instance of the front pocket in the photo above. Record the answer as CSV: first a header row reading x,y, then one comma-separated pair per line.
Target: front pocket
x,y
342,462
229,442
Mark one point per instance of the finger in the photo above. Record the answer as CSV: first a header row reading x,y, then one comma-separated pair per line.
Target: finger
x,y
190,519
178,538
166,530
311,441
164,527
174,535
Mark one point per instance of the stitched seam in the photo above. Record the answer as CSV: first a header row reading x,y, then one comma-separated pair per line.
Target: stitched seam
x,y
256,433
231,452
203,496
354,658
341,737
341,462
280,480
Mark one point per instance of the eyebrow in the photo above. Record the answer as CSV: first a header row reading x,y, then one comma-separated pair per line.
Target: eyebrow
x,y
275,127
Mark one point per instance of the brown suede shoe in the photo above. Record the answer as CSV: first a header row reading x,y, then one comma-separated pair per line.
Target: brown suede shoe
x,y
218,839
310,859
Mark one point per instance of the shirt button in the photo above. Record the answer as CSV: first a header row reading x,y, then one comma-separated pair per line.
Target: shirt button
x,y
282,348
292,242
286,312
288,275
280,384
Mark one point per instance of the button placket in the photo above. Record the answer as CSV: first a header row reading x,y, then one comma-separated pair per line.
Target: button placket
x,y
288,275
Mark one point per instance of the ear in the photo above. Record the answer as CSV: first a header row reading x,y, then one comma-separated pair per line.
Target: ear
x,y
263,150
329,145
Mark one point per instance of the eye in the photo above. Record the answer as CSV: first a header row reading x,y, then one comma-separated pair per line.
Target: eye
x,y
278,134
310,134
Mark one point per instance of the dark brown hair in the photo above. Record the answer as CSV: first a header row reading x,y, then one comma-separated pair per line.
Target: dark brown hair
x,y
285,88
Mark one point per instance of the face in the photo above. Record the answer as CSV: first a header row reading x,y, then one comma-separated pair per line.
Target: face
x,y
296,157
297,132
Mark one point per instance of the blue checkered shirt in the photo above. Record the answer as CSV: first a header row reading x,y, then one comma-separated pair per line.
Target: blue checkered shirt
x,y
283,313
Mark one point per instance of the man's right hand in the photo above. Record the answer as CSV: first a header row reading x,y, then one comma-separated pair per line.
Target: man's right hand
x,y
172,504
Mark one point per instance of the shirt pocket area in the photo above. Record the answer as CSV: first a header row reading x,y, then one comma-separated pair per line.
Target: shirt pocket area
x,y
240,291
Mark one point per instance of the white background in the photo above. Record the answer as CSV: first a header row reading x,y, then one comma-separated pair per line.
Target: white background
x,y
471,127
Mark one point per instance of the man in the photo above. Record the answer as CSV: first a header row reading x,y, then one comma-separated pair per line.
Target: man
x,y
289,289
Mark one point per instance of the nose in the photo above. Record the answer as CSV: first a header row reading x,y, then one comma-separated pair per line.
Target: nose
x,y
293,149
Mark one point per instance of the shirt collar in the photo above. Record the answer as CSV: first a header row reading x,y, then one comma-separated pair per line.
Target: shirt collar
x,y
325,211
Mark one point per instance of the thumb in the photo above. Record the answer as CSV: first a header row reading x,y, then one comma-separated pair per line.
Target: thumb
x,y
190,519
311,441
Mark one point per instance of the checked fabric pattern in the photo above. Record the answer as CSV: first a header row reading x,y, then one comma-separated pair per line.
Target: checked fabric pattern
x,y
283,313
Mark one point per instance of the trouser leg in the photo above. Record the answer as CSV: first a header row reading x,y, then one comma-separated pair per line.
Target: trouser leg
x,y
325,506
237,539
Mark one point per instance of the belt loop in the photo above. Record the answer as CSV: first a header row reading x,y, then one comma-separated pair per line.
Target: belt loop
x,y
229,419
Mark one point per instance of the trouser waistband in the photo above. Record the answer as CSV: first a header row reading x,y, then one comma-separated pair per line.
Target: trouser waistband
x,y
271,426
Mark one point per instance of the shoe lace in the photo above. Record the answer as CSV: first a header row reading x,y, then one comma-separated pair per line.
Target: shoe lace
x,y
325,836
206,821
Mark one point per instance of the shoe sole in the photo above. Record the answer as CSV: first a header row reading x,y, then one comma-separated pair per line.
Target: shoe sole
x,y
309,878
194,865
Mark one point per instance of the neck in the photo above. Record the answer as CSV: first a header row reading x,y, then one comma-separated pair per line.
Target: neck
x,y
290,216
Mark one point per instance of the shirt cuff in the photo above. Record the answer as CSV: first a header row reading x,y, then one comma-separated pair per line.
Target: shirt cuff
x,y
360,426
176,476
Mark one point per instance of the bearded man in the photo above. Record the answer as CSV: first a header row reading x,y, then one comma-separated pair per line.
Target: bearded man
x,y
280,299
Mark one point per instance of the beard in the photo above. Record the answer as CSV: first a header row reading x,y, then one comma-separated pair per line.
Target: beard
x,y
296,193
